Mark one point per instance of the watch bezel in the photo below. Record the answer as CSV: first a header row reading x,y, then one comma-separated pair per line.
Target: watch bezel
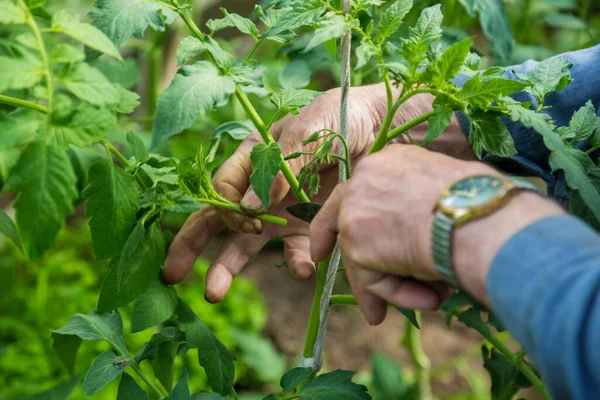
x,y
462,215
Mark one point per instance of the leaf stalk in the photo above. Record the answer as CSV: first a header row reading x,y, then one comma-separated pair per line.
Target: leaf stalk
x,y
13,101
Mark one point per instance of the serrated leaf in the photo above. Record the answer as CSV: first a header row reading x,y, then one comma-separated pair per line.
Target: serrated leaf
x,y
18,127
19,73
66,346
334,386
472,319
495,24
87,83
64,53
426,30
112,207
300,13
294,378
86,127
119,20
69,24
188,48
391,19
222,58
138,148
128,101
181,390
231,20
213,356
332,26
8,229
134,240
452,60
104,369
436,124
290,100
195,91
549,76
573,162
238,130
295,75
162,364
506,379
12,13
96,327
364,52
45,179
489,132
583,123
153,307
480,93
62,391
129,389
266,163
143,269
247,75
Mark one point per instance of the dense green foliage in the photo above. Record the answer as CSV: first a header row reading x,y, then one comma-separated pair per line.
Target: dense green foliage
x,y
67,93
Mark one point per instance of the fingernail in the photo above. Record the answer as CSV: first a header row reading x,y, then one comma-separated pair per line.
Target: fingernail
x,y
251,202
248,226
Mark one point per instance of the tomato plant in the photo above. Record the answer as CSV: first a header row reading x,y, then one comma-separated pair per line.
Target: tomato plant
x,y
59,102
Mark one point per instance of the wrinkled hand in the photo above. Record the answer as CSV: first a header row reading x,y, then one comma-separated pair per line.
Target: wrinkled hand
x,y
367,107
382,219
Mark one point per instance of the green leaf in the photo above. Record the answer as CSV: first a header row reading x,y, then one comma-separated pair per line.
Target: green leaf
x,y
565,21
12,13
266,163
452,60
436,124
64,53
143,269
119,20
195,91
495,24
290,100
481,94
410,315
96,327
295,75
271,18
506,379
126,75
18,127
130,390
69,24
231,20
66,346
131,244
213,356
334,386
573,162
103,371
364,52
128,101
62,391
583,123
300,13
112,207
238,130
294,378
181,390
136,259
138,148
162,364
188,48
332,26
87,83
455,303
304,211
223,59
8,229
426,30
391,19
260,355
45,179
549,76
19,73
153,307
389,382
472,319
86,127
489,132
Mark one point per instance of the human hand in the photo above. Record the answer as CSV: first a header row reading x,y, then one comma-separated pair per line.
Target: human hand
x,y
367,107
382,219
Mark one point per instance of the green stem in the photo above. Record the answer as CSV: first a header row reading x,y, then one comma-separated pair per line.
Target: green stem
x,y
234,394
412,342
161,394
343,300
43,54
235,207
392,108
408,125
109,147
253,51
593,149
13,101
187,19
314,319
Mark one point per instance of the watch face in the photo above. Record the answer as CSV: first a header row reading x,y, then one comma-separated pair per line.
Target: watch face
x,y
472,192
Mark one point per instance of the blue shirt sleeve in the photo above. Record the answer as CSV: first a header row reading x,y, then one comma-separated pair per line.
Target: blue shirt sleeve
x,y
544,286
532,157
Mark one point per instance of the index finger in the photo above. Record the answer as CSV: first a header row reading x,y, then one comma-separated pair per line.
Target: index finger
x,y
324,227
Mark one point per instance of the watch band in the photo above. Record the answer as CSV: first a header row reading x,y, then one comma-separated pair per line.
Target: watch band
x,y
443,227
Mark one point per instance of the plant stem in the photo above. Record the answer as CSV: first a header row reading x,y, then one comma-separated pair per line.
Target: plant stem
x,y
43,54
313,323
157,391
234,394
593,149
412,342
115,153
235,207
13,101
190,24
253,51
343,300
409,125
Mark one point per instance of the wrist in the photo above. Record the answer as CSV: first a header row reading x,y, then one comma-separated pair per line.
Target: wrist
x,y
477,242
